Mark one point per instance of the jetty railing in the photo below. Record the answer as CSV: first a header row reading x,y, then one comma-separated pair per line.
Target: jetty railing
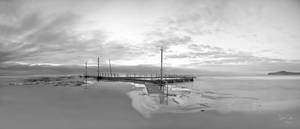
x,y
151,78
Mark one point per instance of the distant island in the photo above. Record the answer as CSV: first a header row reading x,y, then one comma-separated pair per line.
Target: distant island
x,y
284,73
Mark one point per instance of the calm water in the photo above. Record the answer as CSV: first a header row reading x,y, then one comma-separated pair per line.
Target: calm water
x,y
274,92
273,103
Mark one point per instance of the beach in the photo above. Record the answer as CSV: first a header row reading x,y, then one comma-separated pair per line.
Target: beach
x,y
208,103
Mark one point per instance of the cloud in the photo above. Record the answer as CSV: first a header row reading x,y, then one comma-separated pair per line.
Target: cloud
x,y
37,36
121,50
5,56
200,54
10,7
31,35
191,32
169,40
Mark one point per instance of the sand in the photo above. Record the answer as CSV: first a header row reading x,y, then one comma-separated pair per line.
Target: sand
x,y
101,105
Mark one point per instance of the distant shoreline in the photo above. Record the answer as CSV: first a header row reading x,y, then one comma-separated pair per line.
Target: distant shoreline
x,y
284,73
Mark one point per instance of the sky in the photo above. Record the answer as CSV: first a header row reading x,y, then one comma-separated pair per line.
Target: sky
x,y
207,34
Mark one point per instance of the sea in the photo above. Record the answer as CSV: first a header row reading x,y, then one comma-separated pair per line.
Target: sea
x,y
237,102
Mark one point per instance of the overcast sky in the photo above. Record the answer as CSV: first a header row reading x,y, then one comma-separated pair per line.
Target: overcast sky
x,y
194,33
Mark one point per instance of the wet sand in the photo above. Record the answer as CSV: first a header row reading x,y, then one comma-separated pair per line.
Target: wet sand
x,y
34,107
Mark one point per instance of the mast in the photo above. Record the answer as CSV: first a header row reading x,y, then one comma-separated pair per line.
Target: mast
x,y
86,73
109,66
98,70
161,66
86,69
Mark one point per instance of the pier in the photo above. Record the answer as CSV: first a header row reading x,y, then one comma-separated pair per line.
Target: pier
x,y
155,83
146,78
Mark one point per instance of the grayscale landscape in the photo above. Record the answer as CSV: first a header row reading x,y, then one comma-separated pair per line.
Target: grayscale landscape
x,y
149,64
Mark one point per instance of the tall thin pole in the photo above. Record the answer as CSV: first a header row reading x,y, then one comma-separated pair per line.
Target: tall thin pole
x,y
98,70
109,66
86,69
167,93
161,66
86,73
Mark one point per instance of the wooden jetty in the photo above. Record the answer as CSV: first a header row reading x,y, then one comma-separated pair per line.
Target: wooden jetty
x,y
153,82
145,78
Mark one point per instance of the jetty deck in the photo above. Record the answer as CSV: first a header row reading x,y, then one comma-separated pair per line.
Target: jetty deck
x,y
155,84
147,78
